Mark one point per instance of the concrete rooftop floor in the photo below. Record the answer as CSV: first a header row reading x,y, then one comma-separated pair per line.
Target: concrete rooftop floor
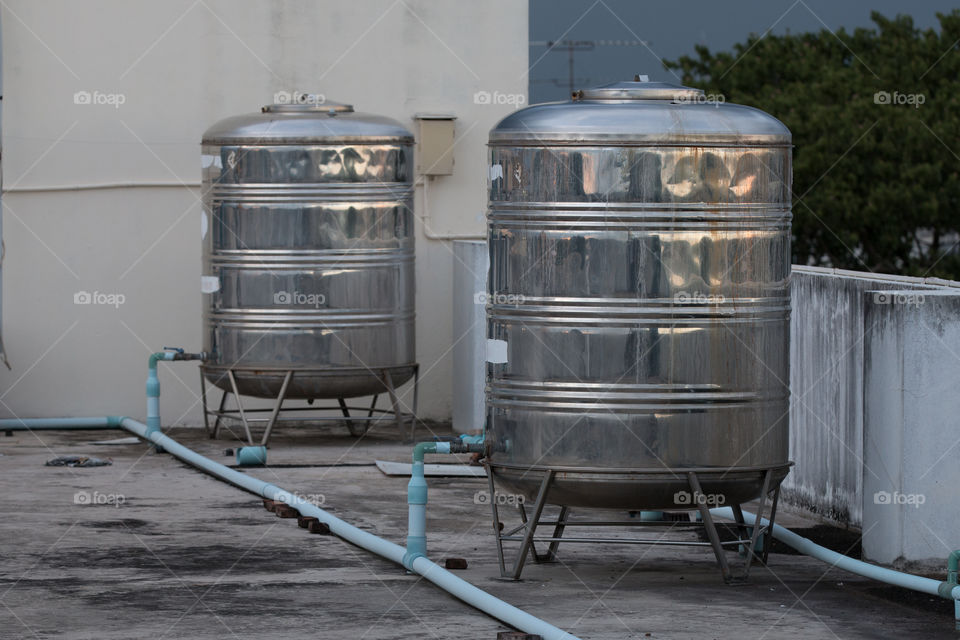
x,y
186,555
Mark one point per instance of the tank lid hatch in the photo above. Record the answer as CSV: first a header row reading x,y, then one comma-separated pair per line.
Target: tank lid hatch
x,y
309,106
640,88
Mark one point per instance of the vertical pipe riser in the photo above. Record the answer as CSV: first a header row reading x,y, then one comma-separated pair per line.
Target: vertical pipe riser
x,y
416,515
153,399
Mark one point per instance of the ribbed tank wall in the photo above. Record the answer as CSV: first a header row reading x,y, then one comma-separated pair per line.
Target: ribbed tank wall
x,y
642,290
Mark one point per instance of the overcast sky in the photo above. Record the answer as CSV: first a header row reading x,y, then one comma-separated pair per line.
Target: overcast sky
x,y
672,29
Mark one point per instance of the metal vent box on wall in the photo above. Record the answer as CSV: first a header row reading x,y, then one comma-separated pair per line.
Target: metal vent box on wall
x,y
435,135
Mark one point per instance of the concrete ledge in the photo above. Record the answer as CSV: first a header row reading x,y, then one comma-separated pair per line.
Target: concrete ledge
x,y
864,350
911,429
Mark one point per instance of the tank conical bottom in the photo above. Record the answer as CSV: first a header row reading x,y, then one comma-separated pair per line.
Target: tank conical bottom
x,y
306,384
637,490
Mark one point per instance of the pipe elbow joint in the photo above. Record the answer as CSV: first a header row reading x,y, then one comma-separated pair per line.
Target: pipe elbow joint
x,y
423,448
409,558
945,590
157,357
953,560
416,548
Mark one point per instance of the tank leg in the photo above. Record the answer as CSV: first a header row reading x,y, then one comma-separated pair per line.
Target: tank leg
x,y
757,529
217,422
522,510
397,413
710,526
203,402
532,524
243,416
416,393
355,428
742,529
366,423
276,408
496,521
551,554
768,537
344,410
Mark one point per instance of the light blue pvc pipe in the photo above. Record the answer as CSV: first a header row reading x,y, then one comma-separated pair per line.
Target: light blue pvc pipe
x,y
417,493
251,456
16,424
417,502
436,574
486,602
812,549
153,389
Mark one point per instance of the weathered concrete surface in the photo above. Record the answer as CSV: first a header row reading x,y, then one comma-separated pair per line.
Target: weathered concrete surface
x,y
911,436
827,354
188,556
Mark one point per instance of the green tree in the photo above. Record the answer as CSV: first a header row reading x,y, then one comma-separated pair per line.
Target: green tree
x,y
875,117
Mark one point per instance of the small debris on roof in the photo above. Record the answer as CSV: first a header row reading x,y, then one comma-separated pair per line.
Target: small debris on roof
x,y
117,441
78,461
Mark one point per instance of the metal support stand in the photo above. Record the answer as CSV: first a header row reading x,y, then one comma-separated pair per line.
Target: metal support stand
x,y
357,424
753,540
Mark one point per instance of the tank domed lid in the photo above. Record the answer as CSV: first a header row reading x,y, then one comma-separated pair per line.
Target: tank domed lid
x,y
641,88
308,103
306,118
640,112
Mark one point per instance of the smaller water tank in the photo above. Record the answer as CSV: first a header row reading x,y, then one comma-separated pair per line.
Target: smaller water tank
x,y
308,251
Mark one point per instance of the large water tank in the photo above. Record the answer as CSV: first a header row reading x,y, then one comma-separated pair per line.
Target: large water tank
x,y
308,251
639,299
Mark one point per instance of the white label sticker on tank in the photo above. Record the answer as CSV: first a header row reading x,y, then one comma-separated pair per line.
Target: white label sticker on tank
x,y
204,224
209,284
208,160
496,351
496,171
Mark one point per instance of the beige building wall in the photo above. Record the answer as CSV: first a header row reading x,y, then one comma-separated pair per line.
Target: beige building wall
x,y
157,74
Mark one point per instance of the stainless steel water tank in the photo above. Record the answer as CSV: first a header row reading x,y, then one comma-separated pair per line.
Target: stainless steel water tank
x,y
308,251
639,276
